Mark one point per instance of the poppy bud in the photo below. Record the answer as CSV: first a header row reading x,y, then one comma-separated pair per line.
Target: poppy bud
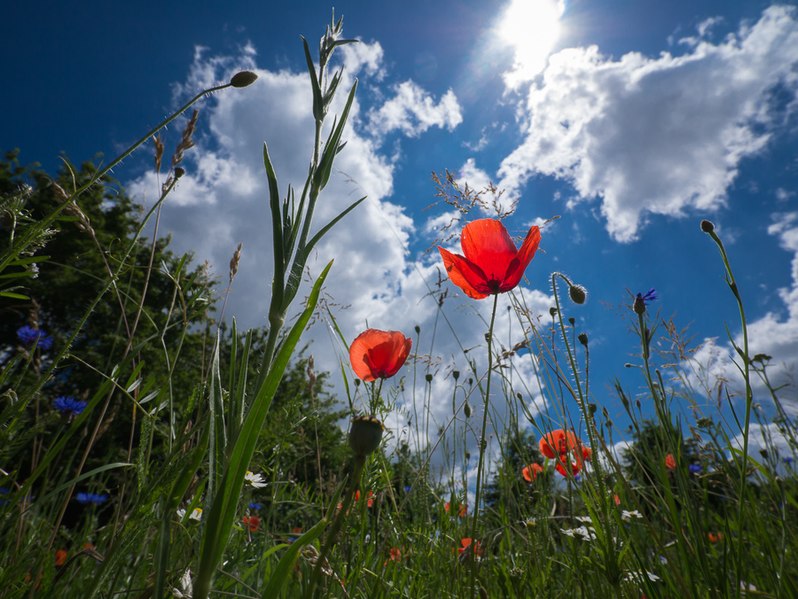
x,y
591,407
456,374
571,321
365,435
243,79
578,294
707,226
418,329
179,172
582,338
552,311
467,410
428,377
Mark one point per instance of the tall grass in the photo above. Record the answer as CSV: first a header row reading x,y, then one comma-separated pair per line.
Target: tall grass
x,y
684,510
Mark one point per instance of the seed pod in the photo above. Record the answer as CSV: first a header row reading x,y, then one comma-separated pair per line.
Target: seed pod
x,y
365,435
243,79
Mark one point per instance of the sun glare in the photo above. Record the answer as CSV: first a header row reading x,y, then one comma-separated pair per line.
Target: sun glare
x,y
531,28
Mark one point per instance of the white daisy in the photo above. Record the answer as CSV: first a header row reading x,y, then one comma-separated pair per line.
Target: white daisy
x,y
254,480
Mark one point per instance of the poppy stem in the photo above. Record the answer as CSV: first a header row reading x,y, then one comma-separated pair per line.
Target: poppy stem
x,y
482,441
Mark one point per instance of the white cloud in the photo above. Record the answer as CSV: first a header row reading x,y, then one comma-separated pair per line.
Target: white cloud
x,y
660,135
223,200
413,111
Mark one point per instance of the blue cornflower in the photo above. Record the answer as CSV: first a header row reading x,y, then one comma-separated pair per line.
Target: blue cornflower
x,y
408,488
28,336
68,405
641,300
787,460
694,468
255,506
91,498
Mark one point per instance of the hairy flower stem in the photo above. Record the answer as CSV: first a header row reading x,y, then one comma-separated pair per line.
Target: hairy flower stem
x,y
486,404
746,370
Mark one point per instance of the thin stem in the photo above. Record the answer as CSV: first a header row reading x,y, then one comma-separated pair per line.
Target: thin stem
x,y
486,405
730,281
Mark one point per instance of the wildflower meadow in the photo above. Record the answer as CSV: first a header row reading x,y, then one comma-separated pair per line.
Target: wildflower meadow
x,y
149,447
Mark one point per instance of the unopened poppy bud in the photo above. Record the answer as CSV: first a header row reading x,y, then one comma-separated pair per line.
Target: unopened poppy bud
x,y
417,329
552,312
582,338
456,374
467,410
591,407
243,79
571,321
707,226
365,435
578,294
428,377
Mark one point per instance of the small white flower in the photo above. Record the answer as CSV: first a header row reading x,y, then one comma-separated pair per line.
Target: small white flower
x,y
584,519
626,516
196,514
639,576
186,590
586,533
254,480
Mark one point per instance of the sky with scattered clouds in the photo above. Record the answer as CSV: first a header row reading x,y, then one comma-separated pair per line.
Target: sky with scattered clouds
x,y
615,126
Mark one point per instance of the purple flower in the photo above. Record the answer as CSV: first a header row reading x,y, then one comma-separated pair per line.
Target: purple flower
x,y
694,468
91,498
29,336
68,405
642,300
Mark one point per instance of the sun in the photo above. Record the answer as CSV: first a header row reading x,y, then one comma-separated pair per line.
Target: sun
x,y
530,28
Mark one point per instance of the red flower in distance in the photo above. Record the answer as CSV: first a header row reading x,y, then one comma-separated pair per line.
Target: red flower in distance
x,y
567,449
491,263
252,522
376,354
558,442
530,473
670,462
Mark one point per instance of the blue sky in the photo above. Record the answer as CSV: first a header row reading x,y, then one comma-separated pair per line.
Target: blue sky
x,y
630,121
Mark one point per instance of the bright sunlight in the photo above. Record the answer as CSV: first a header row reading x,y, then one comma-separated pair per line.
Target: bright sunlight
x,y
531,28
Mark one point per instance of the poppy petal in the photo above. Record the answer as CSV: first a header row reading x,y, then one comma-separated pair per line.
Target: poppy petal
x,y
487,244
516,268
465,274
378,354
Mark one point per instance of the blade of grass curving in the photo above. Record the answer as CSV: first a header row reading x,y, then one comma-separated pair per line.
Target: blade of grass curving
x,y
223,508
315,239
277,231
286,563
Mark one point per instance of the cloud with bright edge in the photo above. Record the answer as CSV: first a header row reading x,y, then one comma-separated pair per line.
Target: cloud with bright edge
x,y
655,135
223,200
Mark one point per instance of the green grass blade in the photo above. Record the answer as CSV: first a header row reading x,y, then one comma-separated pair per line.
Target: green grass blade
x,y
286,564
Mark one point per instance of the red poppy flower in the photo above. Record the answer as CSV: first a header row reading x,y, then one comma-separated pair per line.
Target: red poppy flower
x,y
491,263
252,522
567,449
395,554
467,543
462,509
369,498
376,354
60,557
670,462
616,499
530,473
714,537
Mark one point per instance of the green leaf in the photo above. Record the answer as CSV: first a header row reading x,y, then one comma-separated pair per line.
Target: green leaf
x,y
222,513
286,564
322,175
318,107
